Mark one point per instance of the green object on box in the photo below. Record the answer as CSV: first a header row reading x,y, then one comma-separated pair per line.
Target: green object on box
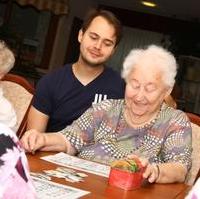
x,y
133,166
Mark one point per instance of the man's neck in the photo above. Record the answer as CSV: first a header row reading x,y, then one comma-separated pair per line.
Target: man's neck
x,y
86,73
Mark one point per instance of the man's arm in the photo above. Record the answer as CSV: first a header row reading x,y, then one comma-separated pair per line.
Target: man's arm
x,y
37,120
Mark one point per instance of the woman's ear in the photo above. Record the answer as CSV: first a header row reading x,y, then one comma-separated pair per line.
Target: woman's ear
x,y
1,75
168,91
169,99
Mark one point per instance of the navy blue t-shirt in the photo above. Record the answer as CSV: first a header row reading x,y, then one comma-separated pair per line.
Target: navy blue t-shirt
x,y
62,97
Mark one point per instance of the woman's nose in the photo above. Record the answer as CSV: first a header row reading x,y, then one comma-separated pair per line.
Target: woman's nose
x,y
140,95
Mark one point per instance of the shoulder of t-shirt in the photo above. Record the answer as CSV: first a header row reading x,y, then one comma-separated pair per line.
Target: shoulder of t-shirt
x,y
56,74
110,71
114,75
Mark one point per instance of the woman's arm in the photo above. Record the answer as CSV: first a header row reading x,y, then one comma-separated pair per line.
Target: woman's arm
x,y
165,173
162,173
175,153
171,172
70,140
34,140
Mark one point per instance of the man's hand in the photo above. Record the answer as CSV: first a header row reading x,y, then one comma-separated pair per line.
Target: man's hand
x,y
33,140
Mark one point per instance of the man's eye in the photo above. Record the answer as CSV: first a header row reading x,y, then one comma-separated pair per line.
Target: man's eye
x,y
108,44
93,37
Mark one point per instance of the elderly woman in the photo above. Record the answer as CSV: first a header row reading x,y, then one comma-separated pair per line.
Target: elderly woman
x,y
141,125
7,112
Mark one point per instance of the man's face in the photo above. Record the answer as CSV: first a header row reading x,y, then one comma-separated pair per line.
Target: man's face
x,y
97,43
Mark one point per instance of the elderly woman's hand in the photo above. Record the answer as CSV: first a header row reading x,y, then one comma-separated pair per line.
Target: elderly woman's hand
x,y
151,172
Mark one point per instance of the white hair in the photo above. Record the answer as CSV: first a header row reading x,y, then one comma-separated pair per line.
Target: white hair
x,y
7,58
153,55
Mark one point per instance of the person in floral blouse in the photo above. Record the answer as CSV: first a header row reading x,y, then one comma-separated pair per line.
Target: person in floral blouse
x,y
141,125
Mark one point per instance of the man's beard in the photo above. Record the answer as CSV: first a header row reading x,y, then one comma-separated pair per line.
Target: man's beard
x,y
94,65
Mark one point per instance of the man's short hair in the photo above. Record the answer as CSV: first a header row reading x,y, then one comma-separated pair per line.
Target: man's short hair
x,y
109,16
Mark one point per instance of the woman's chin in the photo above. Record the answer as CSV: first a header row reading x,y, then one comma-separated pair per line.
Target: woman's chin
x,y
139,113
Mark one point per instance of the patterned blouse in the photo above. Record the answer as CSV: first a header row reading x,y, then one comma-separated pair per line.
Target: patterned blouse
x,y
101,134
15,181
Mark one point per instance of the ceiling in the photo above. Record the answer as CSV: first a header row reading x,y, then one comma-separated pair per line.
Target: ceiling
x,y
180,9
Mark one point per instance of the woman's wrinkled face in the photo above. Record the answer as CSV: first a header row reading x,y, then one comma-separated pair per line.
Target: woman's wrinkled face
x,y
145,90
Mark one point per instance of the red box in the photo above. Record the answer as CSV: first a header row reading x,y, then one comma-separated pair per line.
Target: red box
x,y
125,179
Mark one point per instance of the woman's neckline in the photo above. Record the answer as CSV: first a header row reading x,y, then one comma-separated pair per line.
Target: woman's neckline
x,y
146,124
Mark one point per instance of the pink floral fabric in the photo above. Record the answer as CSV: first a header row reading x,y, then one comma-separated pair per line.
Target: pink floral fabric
x,y
15,181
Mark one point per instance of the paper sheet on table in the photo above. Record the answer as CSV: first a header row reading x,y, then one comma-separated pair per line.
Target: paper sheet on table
x,y
50,190
64,159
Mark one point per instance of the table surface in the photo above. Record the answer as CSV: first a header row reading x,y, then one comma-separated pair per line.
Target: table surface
x,y
99,188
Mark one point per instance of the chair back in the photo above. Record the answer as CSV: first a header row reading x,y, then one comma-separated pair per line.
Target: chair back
x,y
195,170
19,92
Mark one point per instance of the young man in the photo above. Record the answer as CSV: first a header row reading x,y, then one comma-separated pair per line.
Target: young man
x,y
64,95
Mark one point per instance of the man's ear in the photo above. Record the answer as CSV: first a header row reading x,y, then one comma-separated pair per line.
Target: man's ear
x,y
113,51
80,35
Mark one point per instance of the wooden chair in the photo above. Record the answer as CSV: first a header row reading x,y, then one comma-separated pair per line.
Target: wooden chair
x,y
194,118
195,170
20,93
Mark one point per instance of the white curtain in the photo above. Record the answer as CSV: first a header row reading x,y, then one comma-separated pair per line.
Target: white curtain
x,y
133,38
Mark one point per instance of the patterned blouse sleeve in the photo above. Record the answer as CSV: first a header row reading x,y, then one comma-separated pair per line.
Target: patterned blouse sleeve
x,y
178,143
81,132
